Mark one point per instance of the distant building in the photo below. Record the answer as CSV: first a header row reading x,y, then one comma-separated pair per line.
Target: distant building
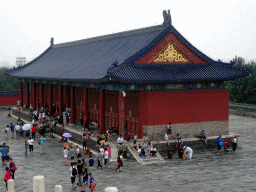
x,y
137,81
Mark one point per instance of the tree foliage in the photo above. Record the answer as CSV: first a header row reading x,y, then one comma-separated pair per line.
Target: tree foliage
x,y
242,90
8,83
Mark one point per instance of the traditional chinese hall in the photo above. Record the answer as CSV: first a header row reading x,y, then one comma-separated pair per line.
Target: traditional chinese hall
x,y
137,81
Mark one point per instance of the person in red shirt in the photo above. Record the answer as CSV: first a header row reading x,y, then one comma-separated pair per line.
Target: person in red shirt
x,y
7,176
36,130
33,130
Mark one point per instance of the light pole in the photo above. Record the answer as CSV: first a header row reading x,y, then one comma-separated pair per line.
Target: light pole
x,y
20,61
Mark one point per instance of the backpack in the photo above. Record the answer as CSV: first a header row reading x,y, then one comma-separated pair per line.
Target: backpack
x,y
7,149
14,168
74,172
118,158
143,151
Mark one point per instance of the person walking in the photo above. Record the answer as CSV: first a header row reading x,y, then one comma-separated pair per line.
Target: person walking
x,y
78,154
33,131
42,141
6,132
106,158
31,145
26,148
85,177
66,152
92,183
79,172
13,168
99,160
7,176
90,163
12,130
72,154
109,154
17,128
4,154
36,130
64,114
73,172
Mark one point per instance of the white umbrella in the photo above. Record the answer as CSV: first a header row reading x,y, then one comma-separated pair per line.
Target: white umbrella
x,y
26,127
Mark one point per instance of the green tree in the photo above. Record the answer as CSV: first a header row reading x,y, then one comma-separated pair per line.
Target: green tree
x,y
242,90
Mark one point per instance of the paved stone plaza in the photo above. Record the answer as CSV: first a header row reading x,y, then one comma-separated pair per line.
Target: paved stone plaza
x,y
207,171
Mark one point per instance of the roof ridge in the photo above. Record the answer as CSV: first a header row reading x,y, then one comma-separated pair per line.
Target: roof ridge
x,y
110,36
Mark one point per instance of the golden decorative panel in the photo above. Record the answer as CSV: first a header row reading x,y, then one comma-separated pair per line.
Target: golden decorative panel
x,y
169,54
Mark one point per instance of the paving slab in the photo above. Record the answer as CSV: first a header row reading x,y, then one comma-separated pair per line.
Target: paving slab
x,y
206,171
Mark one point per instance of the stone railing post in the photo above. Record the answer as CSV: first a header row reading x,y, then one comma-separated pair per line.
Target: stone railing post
x,y
10,184
38,183
111,189
58,188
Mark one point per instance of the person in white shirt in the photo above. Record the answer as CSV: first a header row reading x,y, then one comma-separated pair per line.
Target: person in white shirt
x,y
30,144
234,141
120,142
73,177
188,151
17,128
106,158
102,154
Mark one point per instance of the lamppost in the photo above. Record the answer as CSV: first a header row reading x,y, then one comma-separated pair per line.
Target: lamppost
x,y
20,61
9,115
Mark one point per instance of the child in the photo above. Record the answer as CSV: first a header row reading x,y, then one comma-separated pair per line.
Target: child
x,y
92,183
26,148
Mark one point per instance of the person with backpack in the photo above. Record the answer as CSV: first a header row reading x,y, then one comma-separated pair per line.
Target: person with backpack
x,y
73,172
13,168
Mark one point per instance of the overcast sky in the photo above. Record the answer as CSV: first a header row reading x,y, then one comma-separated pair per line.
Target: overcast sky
x,y
220,29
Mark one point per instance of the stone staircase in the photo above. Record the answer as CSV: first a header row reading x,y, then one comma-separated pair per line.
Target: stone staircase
x,y
149,159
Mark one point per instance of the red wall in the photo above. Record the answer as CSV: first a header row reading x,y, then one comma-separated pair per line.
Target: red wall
x,y
6,100
184,106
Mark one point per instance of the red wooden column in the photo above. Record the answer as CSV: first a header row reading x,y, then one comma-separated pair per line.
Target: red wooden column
x,y
41,94
50,97
141,122
72,104
102,111
121,112
60,99
86,102
21,94
33,88
27,94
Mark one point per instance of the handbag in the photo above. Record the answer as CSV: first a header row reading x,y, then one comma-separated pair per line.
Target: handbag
x,y
63,154
39,143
